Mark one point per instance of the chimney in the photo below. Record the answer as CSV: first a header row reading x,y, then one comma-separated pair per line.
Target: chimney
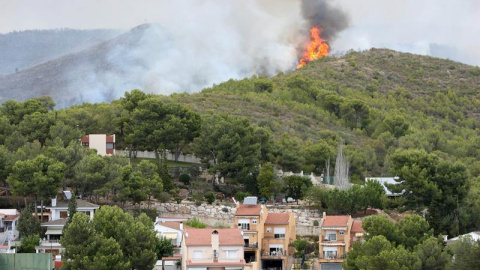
x,y
324,215
181,225
54,201
215,240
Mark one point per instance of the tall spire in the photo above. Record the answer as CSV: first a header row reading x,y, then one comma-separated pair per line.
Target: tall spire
x,y
341,169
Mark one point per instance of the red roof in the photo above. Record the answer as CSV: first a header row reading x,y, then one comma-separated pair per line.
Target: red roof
x,y
174,258
357,226
170,224
230,263
277,218
248,210
203,237
335,221
10,217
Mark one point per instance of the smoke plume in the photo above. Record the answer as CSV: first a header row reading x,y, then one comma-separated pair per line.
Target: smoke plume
x,y
322,13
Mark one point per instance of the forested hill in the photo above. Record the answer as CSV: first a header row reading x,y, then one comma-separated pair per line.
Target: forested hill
x,y
377,101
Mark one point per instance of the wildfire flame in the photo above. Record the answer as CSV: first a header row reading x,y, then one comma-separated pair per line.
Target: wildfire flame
x,y
317,48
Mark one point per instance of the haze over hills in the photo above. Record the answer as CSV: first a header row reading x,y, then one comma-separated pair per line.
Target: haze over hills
x,y
25,49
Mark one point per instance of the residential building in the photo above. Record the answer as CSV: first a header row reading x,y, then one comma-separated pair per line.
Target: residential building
x,y
8,225
58,219
103,143
267,236
388,181
337,234
212,249
474,235
278,235
172,230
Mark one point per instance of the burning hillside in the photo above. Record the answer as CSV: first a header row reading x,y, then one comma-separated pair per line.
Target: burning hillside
x,y
317,48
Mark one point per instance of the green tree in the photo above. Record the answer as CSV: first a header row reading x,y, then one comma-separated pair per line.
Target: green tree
x,y
28,224
87,249
381,225
373,194
431,254
210,197
302,246
151,182
266,180
28,243
296,186
72,207
395,124
195,223
228,145
316,155
465,252
163,248
36,126
413,230
89,175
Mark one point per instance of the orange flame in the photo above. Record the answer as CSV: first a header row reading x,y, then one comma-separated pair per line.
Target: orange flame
x,y
317,48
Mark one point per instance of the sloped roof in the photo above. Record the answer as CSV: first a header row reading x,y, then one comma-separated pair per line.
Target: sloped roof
x,y
10,217
80,203
248,210
335,221
57,222
277,218
203,237
357,226
170,224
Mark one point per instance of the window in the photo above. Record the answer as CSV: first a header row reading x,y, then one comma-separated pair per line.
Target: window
x,y
63,214
279,236
269,229
244,224
197,254
331,236
279,232
342,233
109,145
254,221
231,254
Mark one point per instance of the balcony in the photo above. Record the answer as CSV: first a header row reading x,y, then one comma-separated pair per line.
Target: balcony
x,y
274,254
332,258
250,245
276,236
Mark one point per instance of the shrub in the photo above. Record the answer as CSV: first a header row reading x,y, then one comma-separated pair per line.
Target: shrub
x,y
210,197
240,195
164,197
185,179
315,223
195,223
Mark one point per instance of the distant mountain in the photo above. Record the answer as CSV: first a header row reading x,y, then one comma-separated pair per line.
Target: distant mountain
x,y
25,49
66,78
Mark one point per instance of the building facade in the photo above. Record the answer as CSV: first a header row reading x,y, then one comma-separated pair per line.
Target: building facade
x,y
337,235
103,143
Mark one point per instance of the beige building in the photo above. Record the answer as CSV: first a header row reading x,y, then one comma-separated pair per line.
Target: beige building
x,y
266,236
337,235
213,249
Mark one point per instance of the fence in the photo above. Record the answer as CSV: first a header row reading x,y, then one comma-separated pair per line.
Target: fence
x,y
189,158
30,261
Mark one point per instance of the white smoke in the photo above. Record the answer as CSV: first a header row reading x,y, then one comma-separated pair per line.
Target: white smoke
x,y
197,44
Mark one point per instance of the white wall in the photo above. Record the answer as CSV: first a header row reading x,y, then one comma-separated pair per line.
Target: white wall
x,y
163,229
98,142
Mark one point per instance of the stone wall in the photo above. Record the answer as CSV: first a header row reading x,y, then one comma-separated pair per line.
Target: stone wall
x,y
223,214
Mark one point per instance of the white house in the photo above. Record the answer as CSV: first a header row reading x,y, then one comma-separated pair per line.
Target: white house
x,y
172,230
59,209
386,180
474,235
8,225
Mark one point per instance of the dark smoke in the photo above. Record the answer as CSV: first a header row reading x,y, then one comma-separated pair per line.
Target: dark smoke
x,y
321,13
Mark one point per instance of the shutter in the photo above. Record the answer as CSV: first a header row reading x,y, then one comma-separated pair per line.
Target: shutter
x,y
330,249
244,221
276,246
279,230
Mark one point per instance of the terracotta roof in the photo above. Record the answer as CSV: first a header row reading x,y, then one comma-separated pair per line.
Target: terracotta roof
x,y
174,258
248,210
10,217
277,218
357,226
170,224
203,237
335,221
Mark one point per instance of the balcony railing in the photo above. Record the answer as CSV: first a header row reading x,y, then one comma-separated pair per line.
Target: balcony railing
x,y
276,253
333,257
251,245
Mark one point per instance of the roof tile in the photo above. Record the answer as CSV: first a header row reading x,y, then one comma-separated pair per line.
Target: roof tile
x,y
203,237
335,221
248,210
277,218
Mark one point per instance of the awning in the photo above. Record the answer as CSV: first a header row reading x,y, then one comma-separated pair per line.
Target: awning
x,y
54,232
170,235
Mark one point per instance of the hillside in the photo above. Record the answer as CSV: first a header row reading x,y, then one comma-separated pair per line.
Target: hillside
x,y
438,101
25,49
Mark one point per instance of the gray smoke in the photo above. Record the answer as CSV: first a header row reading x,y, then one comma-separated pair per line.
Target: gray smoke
x,y
322,13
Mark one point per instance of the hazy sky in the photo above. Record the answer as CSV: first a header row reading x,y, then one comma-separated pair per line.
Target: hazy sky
x,y
444,28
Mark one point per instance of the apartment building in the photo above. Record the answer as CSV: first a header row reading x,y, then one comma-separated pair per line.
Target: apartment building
x,y
266,236
337,235
103,143
213,249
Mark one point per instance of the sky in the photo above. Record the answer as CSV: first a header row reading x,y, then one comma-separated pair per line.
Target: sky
x,y
442,28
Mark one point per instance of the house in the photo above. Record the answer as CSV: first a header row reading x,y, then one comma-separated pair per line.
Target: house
x,y
337,235
474,235
8,225
212,249
172,230
103,143
279,234
266,236
58,219
387,180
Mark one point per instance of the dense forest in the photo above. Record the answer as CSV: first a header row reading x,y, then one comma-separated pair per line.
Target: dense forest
x,y
398,114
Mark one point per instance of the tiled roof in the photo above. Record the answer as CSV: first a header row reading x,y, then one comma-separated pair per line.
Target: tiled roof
x,y
170,224
335,221
203,237
217,264
10,217
248,210
80,203
357,226
173,258
277,218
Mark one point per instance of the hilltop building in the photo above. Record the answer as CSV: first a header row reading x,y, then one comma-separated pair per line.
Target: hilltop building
x,y
103,143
